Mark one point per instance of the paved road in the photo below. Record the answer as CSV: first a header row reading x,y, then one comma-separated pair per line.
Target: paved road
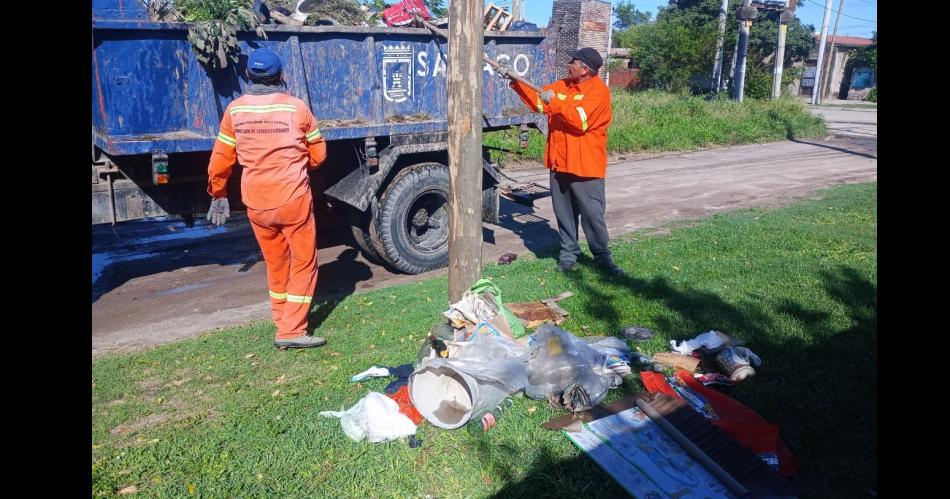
x,y
155,282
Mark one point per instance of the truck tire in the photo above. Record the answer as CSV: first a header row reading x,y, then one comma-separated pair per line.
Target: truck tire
x,y
412,226
360,223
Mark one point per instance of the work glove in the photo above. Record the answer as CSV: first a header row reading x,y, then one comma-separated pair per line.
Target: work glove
x,y
547,95
219,212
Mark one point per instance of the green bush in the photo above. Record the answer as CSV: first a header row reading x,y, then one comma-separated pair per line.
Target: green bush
x,y
872,95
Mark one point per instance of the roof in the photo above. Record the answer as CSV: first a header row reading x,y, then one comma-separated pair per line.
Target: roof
x,y
846,41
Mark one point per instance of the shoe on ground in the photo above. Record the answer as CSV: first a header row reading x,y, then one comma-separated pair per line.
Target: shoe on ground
x,y
565,267
302,341
613,269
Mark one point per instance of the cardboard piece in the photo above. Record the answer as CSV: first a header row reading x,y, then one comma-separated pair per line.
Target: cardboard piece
x,y
676,361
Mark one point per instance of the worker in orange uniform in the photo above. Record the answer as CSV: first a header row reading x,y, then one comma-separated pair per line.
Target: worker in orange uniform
x,y
276,138
578,110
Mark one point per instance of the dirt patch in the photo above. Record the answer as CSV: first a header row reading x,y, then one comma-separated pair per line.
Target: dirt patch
x,y
146,422
150,385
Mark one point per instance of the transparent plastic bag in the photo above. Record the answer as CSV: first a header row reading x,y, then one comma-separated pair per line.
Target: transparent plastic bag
x,y
565,370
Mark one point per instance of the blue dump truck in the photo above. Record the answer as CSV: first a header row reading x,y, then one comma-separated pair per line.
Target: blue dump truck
x,y
380,97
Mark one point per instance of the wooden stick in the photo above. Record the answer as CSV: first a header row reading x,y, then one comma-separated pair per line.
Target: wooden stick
x,y
717,471
433,28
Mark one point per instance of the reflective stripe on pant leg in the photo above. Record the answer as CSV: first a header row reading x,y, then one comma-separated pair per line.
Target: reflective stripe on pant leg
x,y
301,234
276,253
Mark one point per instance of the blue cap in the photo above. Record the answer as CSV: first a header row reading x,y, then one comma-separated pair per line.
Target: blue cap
x,y
263,62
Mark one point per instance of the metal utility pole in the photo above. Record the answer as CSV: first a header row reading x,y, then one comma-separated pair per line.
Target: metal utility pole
x,y
832,51
746,14
464,110
732,69
816,90
785,16
717,67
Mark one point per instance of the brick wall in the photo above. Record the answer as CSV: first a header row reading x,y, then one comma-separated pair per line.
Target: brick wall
x,y
580,23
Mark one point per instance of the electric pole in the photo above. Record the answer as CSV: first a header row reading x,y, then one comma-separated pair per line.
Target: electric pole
x,y
515,10
717,67
832,51
464,111
787,14
746,14
816,90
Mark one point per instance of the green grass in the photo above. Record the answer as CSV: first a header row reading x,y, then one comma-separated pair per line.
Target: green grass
x,y
660,121
226,415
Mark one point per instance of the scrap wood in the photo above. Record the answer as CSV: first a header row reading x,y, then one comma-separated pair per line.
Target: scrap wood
x,y
535,313
676,360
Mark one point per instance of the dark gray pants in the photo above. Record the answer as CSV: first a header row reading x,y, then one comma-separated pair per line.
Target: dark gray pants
x,y
574,197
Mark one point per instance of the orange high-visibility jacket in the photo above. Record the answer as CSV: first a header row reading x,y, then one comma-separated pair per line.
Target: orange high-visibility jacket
x,y
276,138
578,116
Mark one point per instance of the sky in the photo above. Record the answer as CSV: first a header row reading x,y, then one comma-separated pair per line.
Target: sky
x,y
859,17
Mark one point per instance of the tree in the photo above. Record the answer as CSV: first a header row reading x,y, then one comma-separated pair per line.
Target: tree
x,y
628,15
437,8
764,34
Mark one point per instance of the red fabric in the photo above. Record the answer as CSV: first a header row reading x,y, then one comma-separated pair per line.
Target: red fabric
x,y
405,404
744,424
395,16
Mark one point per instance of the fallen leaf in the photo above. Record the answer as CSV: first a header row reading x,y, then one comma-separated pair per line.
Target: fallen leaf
x,y
191,489
260,476
281,378
372,346
532,409
159,400
248,356
676,269
428,298
131,489
276,393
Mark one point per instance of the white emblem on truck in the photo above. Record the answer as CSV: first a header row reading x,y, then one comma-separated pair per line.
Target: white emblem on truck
x,y
397,72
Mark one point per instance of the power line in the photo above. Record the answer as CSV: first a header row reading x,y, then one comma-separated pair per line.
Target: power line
x,y
843,14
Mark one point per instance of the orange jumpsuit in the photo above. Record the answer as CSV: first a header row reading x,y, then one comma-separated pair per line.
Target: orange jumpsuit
x,y
578,116
276,138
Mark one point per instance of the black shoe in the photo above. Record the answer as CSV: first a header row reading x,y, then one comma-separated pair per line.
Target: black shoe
x,y
613,269
302,341
565,267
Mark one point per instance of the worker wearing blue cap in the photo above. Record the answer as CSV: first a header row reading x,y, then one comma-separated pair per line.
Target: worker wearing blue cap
x,y
275,137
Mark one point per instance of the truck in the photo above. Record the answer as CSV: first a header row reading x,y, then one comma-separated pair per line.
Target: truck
x,y
379,94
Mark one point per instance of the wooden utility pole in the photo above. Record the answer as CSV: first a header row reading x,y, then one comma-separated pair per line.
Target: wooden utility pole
x,y
464,89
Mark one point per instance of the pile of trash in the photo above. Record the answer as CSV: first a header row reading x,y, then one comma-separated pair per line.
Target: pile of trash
x,y
482,354
339,12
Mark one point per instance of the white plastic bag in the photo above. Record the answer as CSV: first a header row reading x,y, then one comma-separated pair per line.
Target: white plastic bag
x,y
376,418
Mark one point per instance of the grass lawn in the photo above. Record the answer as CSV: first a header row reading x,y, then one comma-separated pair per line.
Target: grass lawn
x,y
660,121
226,415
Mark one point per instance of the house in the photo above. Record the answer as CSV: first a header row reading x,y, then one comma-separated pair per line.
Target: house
x,y
842,82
